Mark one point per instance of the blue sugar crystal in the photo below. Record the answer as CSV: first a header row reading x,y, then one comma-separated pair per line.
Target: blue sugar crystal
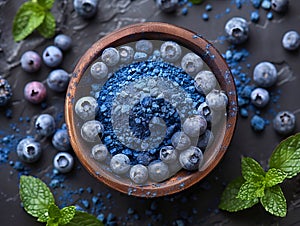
x,y
254,16
258,123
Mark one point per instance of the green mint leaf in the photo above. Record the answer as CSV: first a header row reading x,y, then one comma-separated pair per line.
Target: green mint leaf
x,y
67,214
251,190
47,4
196,1
82,218
36,196
47,28
29,16
274,201
44,218
52,222
54,212
286,156
274,177
251,169
229,200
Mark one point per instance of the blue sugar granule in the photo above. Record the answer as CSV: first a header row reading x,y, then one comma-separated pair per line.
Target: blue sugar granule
x,y
8,113
85,203
205,16
55,183
254,16
256,3
101,217
19,166
208,7
269,15
244,112
130,211
184,11
266,4
89,190
258,123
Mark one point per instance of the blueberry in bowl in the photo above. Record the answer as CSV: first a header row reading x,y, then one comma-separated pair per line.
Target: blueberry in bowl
x,y
151,109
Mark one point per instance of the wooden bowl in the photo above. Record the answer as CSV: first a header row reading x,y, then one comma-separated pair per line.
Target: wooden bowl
x,y
165,32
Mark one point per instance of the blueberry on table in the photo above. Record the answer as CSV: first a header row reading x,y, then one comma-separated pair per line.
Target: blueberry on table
x,y
126,54
45,125
63,162
31,61
91,131
170,51
167,6
61,140
158,171
86,8
180,141
35,92
120,164
99,70
237,30
191,158
168,154
58,80
110,56
86,107
100,152
205,81
260,97
62,41
284,122
139,174
194,126
52,56
29,150
265,74
280,6
291,40
191,63
5,91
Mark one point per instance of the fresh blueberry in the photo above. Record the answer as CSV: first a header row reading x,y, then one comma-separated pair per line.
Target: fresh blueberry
x,y
284,122
191,63
31,61
194,126
167,6
52,56
63,162
139,174
86,107
99,70
158,171
29,150
58,80
217,100
237,30
291,40
63,42
168,154
99,152
258,124
86,8
180,141
120,164
45,125
205,140
5,91
35,92
265,74
191,158
205,81
61,140
91,131
144,46
110,56
280,6
260,97
170,51
126,54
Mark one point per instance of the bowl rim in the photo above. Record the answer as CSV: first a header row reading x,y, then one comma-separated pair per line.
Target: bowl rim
x,y
166,32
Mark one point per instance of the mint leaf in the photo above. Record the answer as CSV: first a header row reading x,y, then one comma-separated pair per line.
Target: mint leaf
x,y
47,4
52,222
29,16
229,200
286,156
251,190
36,196
47,28
251,169
54,212
274,201
82,218
67,214
274,177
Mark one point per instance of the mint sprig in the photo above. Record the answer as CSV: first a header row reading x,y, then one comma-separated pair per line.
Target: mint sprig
x,y
32,15
39,202
257,185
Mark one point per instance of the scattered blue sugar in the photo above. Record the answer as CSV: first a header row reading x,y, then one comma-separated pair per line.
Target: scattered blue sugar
x,y
254,16
227,11
256,3
130,211
55,183
258,123
101,217
208,7
184,11
266,4
18,166
205,16
244,112
269,15
85,203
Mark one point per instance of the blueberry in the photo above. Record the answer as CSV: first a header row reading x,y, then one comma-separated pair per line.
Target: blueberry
x,y
35,92
86,107
191,158
265,74
168,154
61,140
110,56
194,126
5,91
260,97
237,30
63,162
217,100
191,63
144,46
284,122
258,124
99,70
58,80
139,174
205,81
45,125
29,150
205,140
280,6
126,54
158,171
91,131
99,152
31,61
85,8
52,56
291,40
63,42
180,141
120,164
167,6
170,51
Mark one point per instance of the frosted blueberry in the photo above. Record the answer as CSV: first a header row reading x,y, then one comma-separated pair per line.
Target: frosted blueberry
x,y
58,80
180,141
280,6
205,140
140,56
158,171
205,81
52,56
31,61
120,164
291,40
167,6
91,131
99,70
144,46
217,100
260,97
237,30
61,140
170,51
86,8
174,167
139,174
191,63
86,107
126,54
194,126
29,150
191,158
35,92
168,154
110,56
45,125
265,74
63,42
99,152
63,162
284,122
5,91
